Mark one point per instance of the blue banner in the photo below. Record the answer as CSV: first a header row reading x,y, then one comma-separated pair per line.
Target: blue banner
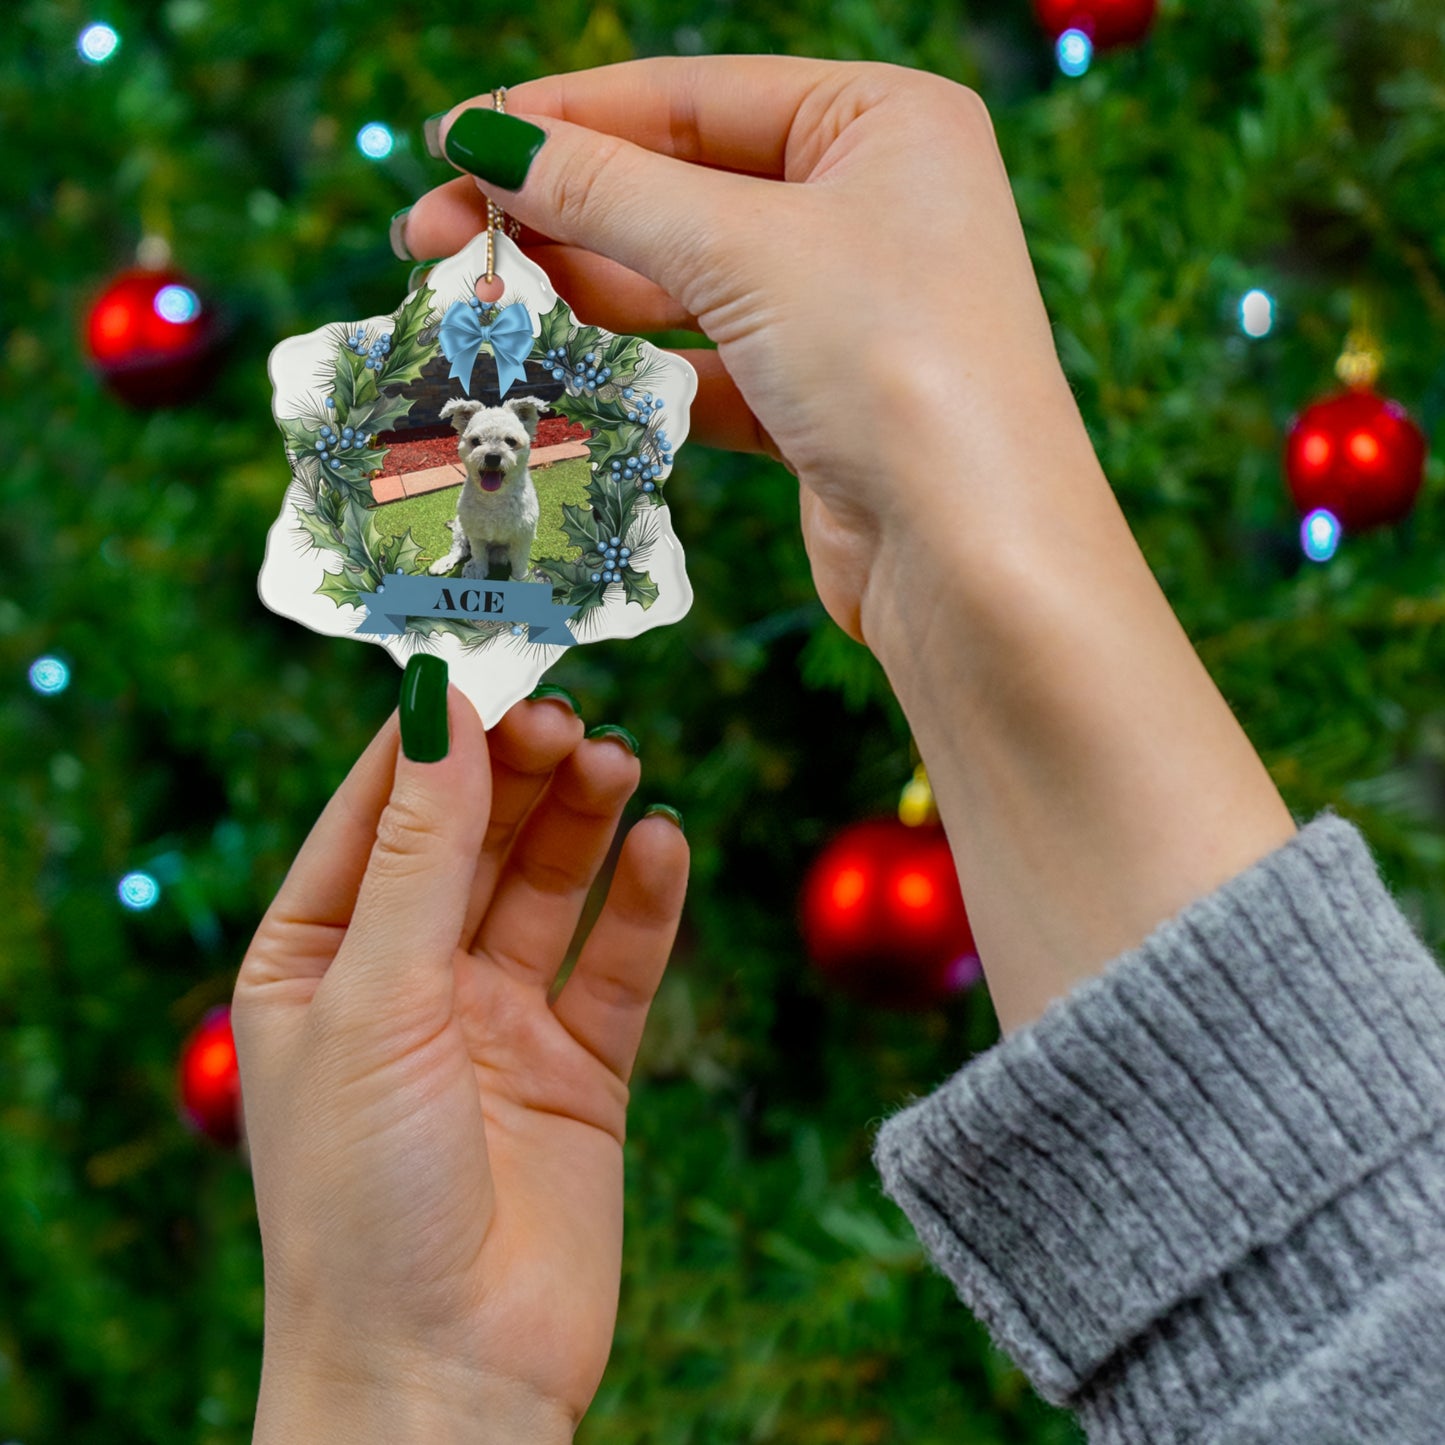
x,y
528,603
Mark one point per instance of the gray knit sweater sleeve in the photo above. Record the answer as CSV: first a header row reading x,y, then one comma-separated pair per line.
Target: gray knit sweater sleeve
x,y
1202,1199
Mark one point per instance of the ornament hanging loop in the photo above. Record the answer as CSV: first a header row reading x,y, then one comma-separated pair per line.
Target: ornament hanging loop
x,y
496,216
1360,362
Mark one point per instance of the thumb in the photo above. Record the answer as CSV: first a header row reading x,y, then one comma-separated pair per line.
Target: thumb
x,y
412,902
666,219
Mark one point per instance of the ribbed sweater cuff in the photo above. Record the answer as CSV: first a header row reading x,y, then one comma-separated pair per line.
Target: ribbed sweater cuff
x,y
1207,1110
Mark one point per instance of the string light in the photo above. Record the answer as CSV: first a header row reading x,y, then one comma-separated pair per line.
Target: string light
x,y
375,141
138,891
49,675
177,304
1075,51
1256,313
1320,535
97,43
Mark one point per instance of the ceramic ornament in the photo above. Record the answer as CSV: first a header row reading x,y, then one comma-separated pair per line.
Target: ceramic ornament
x,y
482,480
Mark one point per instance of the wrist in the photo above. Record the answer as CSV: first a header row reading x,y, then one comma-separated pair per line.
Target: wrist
x,y
404,1402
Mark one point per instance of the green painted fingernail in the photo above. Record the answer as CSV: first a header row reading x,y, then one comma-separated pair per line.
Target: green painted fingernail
x,y
398,235
667,812
612,730
420,270
498,148
431,133
550,689
424,735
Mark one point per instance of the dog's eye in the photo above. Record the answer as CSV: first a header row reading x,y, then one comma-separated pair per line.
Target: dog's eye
x,y
514,442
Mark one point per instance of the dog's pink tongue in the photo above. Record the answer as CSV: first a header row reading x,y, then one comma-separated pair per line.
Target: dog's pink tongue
x,y
491,481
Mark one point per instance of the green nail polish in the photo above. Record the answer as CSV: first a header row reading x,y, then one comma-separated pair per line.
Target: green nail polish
x,y
498,148
550,689
612,730
424,735
398,235
667,812
431,133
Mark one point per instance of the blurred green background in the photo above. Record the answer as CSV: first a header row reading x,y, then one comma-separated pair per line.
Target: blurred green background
x,y
770,1292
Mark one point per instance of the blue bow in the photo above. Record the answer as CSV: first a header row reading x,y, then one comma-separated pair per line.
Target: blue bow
x,y
510,337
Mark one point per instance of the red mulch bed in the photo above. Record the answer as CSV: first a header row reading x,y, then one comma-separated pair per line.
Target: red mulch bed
x,y
436,446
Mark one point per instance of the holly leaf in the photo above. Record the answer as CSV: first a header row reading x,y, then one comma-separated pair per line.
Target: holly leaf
x,y
340,588
565,572
621,440
300,436
379,416
640,588
624,356
321,532
413,316
582,528
349,368
556,327
400,554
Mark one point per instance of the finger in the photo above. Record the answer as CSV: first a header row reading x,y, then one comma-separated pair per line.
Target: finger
x,y
596,191
396,962
741,113
302,928
526,746
557,854
606,998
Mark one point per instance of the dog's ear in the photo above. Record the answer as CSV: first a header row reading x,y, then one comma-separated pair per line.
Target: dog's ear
x,y
461,412
528,410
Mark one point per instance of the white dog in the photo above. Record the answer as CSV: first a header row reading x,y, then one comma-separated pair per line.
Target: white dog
x,y
496,521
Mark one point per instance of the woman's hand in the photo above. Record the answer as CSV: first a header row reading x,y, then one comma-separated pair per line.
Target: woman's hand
x,y
437,1150
880,303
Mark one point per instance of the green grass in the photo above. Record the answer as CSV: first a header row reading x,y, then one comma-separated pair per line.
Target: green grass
x,y
429,517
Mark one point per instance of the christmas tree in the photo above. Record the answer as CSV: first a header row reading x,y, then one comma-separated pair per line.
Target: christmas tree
x,y
1213,211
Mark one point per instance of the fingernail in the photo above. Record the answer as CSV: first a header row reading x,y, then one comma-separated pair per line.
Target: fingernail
x,y
612,730
398,235
550,689
431,132
424,737
663,810
419,271
498,148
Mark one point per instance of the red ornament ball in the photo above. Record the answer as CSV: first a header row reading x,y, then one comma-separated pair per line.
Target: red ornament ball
x,y
1107,23
1357,455
883,917
210,1080
152,338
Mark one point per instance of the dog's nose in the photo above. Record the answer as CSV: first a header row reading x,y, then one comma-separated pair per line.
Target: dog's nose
x,y
493,460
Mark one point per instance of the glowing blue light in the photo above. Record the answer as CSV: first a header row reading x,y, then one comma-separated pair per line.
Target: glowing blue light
x,y
375,140
1074,50
178,304
97,43
138,891
1256,313
1320,535
49,675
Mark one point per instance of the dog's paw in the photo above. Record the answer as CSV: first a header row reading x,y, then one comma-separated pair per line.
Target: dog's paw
x,y
440,567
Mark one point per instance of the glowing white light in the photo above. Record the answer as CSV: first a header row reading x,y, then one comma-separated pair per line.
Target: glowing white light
x,y
138,891
1256,313
1074,50
375,140
1320,535
178,304
49,675
97,43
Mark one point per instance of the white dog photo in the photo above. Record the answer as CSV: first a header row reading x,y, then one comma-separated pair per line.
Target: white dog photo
x,y
496,521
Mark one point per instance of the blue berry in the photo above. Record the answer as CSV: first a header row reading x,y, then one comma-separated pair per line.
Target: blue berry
x,y
627,551
615,542
596,576
649,486
557,374
321,449
348,432
627,391
331,402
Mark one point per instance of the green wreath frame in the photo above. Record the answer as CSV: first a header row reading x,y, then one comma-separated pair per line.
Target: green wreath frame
x,y
628,449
